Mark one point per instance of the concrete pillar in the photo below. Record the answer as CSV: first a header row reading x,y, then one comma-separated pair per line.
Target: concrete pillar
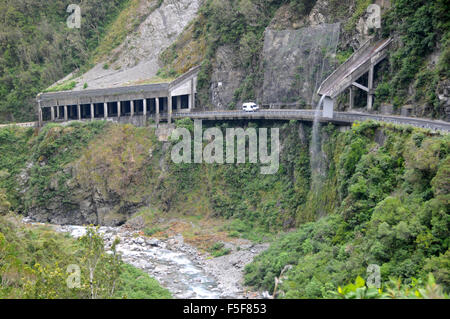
x,y
92,111
79,111
118,109
157,111
41,120
144,110
352,97
178,102
169,107
370,87
105,110
328,106
52,111
132,108
192,96
66,115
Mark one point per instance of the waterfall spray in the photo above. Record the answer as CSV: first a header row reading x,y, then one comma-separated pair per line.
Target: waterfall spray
x,y
315,147
315,142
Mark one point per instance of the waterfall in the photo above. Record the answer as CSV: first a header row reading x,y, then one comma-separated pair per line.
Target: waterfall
x,y
315,148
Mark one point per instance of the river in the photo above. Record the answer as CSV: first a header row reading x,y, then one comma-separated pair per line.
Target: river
x,y
177,266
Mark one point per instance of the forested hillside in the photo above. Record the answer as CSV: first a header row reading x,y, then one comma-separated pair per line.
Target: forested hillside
x,y
383,197
37,48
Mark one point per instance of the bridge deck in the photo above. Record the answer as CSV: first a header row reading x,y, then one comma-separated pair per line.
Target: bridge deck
x,y
308,115
351,70
342,118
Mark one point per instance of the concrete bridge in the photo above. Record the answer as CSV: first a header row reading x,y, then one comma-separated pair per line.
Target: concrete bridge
x,y
132,103
339,118
363,61
168,101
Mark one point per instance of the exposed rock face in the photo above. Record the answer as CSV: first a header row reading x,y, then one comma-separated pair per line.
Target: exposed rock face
x,y
67,211
226,77
444,98
137,57
296,62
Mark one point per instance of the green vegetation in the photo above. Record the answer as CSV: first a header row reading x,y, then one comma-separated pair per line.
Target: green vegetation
x,y
392,211
40,49
239,24
136,284
218,249
34,264
423,26
15,148
383,199
394,289
54,148
127,19
151,231
66,86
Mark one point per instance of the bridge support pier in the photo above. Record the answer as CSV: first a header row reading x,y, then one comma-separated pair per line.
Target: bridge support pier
x,y
118,109
328,105
52,113
131,108
66,115
370,93
79,112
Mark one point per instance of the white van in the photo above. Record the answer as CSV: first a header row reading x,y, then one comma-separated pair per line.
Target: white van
x,y
250,107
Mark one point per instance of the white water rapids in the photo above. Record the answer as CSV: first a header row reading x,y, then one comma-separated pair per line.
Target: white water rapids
x,y
180,270
177,266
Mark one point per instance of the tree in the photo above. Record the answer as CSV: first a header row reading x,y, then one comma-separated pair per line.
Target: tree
x,y
4,204
103,269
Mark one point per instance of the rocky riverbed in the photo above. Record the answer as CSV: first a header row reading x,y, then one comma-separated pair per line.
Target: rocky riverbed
x,y
180,267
